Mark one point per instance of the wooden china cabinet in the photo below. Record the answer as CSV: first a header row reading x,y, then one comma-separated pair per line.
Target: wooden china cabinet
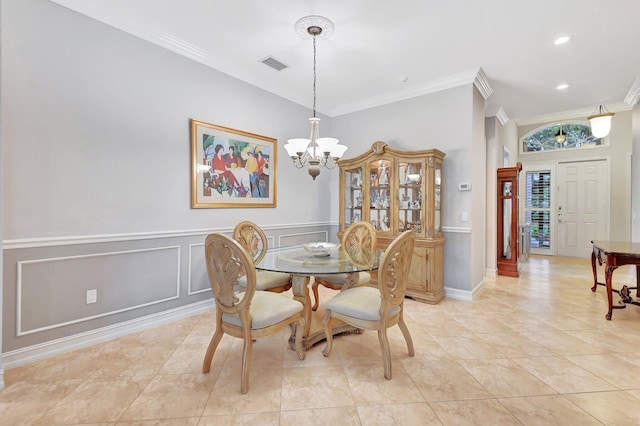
x,y
394,191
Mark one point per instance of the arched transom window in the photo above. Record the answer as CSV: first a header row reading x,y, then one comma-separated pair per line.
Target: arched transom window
x,y
548,138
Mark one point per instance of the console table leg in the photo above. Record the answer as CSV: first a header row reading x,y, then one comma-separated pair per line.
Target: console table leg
x,y
608,273
595,273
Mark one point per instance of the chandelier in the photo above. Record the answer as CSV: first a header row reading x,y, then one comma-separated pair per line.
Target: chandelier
x,y
561,136
600,121
315,151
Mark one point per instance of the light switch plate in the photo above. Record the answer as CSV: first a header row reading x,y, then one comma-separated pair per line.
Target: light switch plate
x,y
92,296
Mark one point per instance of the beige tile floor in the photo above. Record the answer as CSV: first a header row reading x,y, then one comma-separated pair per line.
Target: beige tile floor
x,y
532,350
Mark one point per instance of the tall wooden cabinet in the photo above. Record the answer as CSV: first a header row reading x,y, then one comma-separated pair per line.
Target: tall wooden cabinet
x,y
398,190
508,229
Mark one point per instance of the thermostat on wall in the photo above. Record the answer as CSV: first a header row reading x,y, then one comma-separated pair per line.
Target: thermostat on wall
x,y
464,187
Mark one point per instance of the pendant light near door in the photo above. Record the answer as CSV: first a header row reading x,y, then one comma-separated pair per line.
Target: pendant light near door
x,y
600,121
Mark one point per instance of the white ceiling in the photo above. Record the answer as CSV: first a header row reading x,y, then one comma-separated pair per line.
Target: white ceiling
x,y
434,44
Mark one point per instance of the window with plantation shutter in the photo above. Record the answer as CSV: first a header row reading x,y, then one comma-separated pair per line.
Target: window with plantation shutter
x,y
538,207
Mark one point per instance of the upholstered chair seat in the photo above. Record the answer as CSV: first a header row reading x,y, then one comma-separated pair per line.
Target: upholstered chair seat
x,y
269,280
266,310
359,302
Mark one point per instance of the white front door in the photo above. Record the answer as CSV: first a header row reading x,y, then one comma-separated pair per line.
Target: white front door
x,y
582,208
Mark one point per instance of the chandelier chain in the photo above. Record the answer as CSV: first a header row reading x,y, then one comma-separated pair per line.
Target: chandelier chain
x,y
314,75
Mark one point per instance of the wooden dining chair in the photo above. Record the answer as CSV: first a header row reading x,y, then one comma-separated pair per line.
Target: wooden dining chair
x,y
359,240
253,239
379,308
249,314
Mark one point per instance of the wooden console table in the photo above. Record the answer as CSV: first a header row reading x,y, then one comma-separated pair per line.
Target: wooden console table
x,y
616,253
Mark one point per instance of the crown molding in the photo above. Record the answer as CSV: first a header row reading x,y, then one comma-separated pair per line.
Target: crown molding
x,y
467,77
482,84
502,116
580,114
633,96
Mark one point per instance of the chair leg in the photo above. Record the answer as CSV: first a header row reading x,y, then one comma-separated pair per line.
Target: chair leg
x,y
405,333
314,289
213,344
208,356
326,322
246,363
245,319
386,353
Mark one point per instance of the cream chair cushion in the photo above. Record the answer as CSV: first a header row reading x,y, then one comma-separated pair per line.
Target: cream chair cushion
x,y
266,309
359,302
363,278
266,280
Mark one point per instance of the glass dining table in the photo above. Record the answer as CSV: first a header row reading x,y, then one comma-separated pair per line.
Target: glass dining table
x,y
302,265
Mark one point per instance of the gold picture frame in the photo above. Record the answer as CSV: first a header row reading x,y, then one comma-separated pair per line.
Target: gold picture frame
x,y
231,168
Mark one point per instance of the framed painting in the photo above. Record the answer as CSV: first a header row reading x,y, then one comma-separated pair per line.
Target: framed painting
x,y
231,168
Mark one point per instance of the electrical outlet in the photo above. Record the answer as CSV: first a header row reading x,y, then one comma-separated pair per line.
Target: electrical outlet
x,y
92,296
464,216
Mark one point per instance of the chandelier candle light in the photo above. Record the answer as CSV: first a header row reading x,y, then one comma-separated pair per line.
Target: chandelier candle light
x,y
600,122
315,151
561,136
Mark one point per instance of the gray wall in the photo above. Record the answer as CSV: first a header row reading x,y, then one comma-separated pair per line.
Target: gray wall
x,y
97,133
478,194
635,176
495,141
1,211
453,122
96,174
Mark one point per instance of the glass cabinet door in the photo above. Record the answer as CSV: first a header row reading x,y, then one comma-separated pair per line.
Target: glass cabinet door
x,y
353,196
410,183
507,188
380,194
437,207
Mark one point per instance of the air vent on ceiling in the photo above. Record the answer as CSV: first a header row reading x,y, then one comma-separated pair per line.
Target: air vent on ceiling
x,y
274,63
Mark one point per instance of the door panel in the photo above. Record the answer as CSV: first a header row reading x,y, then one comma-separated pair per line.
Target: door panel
x,y
582,211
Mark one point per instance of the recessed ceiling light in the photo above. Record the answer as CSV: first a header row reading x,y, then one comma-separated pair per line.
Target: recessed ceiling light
x,y
562,86
562,40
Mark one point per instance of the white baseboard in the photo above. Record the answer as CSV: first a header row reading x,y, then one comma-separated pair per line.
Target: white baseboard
x,y
45,350
465,295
